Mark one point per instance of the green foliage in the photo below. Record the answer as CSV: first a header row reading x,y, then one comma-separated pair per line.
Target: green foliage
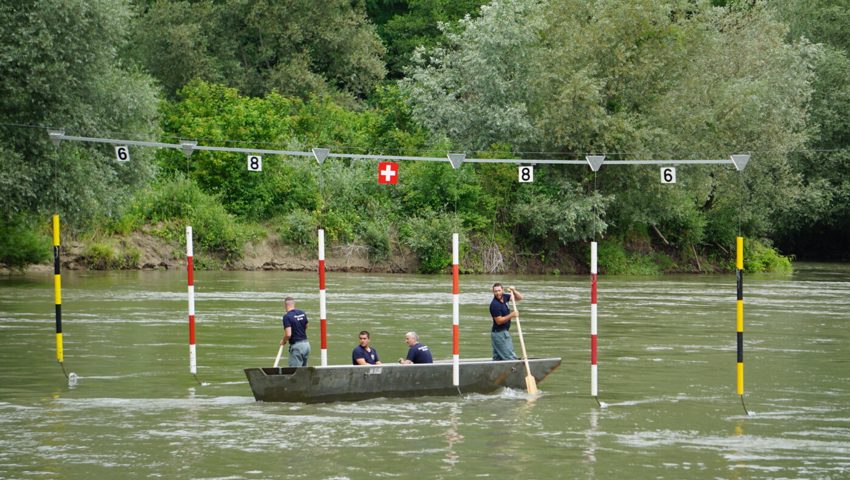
x,y
429,236
615,260
760,256
22,242
405,25
106,256
560,215
676,79
299,228
376,236
177,203
59,68
298,48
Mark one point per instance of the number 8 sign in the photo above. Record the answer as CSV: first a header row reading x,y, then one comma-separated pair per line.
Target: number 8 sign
x,y
255,163
526,174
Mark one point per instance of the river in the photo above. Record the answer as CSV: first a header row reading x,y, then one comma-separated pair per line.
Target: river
x,y
667,379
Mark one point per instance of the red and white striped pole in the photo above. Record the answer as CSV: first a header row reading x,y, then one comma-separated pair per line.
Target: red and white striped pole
x,y
190,270
323,320
455,313
593,277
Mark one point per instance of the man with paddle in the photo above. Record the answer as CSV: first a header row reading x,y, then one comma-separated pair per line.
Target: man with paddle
x,y
295,333
500,337
503,347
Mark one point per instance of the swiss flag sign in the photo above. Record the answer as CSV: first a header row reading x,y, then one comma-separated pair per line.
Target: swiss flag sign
x,y
388,173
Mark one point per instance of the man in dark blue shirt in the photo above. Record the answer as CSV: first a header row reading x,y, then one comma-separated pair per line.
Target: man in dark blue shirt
x,y
363,354
417,353
500,337
295,332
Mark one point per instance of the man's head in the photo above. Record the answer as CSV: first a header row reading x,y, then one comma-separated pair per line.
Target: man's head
x,y
289,303
497,290
364,339
411,338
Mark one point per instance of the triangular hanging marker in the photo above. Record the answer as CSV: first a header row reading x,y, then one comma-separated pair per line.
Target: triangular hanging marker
x,y
321,154
188,146
56,136
740,161
595,161
457,159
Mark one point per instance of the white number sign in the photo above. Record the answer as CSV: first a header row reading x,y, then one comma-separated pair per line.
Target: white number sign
x,y
526,174
122,153
668,175
255,163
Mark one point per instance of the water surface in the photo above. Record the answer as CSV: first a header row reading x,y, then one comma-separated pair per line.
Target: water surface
x,y
666,379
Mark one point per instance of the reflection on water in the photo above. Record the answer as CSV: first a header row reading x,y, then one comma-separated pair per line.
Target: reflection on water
x,y
666,378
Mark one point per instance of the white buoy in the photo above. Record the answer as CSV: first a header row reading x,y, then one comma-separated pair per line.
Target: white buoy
x,y
72,379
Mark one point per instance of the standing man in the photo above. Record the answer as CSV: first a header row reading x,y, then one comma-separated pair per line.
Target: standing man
x,y
417,353
295,332
363,354
500,337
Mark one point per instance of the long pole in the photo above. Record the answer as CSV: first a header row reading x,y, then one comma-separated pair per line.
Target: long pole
x,y
323,318
190,271
530,382
57,288
739,270
594,391
455,312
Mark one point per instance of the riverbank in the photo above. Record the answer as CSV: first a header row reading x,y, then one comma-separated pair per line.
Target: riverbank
x,y
146,251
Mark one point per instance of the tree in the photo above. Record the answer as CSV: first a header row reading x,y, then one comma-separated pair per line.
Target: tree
x,y
632,80
405,25
818,223
298,48
59,68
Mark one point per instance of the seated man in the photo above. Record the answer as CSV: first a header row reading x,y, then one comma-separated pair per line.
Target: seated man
x,y
363,354
417,353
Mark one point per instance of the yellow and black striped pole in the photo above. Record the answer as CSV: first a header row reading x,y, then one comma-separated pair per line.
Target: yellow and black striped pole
x,y
739,269
57,286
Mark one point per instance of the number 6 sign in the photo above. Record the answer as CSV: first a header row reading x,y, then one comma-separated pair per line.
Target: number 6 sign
x,y
668,175
122,153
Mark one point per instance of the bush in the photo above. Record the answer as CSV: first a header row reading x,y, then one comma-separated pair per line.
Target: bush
x,y
760,256
376,236
104,256
430,237
299,228
615,260
22,243
180,202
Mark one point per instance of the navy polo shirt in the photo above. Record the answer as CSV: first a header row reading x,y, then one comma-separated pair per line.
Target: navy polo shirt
x,y
297,320
420,354
499,309
371,357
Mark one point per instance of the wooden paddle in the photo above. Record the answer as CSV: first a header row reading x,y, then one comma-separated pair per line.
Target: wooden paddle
x,y
279,353
530,382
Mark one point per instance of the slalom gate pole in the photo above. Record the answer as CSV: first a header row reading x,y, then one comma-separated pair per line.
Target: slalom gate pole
x,y
323,314
455,312
739,270
594,390
57,288
190,272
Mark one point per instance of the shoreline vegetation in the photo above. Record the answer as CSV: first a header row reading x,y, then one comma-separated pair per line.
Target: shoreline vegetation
x,y
510,84
150,251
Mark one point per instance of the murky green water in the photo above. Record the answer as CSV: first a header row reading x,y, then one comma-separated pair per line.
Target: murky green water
x,y
666,369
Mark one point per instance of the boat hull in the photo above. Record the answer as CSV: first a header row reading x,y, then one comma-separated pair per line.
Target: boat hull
x,y
349,382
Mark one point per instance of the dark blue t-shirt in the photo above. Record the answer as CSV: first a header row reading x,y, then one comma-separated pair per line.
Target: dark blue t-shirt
x,y
298,321
499,309
420,354
371,357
